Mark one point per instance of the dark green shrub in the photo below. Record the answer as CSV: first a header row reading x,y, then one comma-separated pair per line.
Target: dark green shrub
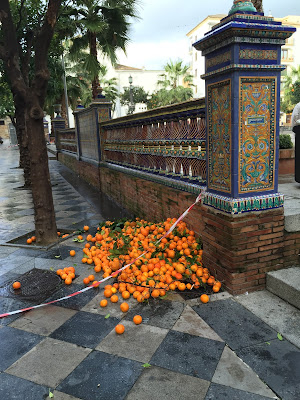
x,y
285,141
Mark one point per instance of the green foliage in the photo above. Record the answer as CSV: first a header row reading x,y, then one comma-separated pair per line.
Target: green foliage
x,y
139,95
285,141
172,91
291,94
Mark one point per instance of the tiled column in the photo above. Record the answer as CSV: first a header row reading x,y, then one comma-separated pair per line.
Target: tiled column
x,y
242,81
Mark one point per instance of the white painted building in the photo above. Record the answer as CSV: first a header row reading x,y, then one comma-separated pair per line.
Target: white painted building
x,y
290,53
141,77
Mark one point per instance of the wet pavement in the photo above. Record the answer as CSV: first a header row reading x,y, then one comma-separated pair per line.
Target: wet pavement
x,y
226,349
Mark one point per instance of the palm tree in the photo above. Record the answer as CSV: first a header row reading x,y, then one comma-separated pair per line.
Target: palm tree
x,y
175,71
101,25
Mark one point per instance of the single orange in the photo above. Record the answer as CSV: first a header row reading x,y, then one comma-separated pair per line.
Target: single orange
x,y
108,293
86,281
124,307
33,238
114,298
204,298
72,253
96,283
137,319
16,285
120,329
86,228
68,280
29,241
103,303
91,278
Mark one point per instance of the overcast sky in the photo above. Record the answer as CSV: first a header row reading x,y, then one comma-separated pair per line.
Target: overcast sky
x,y
160,34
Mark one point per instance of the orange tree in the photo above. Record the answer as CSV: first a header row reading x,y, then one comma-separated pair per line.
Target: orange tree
x,y
29,97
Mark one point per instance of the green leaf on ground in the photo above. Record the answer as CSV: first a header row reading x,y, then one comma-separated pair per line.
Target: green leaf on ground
x,y
107,316
51,269
56,256
279,336
268,343
51,395
146,365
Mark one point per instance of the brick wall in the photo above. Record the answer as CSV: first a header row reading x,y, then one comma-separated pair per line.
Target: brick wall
x,y
238,249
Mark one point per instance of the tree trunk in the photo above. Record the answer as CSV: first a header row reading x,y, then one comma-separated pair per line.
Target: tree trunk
x,y
93,52
23,143
64,110
44,214
258,5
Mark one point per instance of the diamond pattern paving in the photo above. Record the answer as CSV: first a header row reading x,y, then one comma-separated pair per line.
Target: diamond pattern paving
x,y
188,354
234,324
102,376
85,329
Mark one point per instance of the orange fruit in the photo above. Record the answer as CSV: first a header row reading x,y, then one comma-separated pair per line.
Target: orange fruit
x,y
137,319
120,329
86,281
68,280
72,253
59,272
96,283
86,228
181,286
91,278
16,285
58,233
33,238
204,298
125,294
64,276
107,292
114,298
124,307
216,288
29,241
103,303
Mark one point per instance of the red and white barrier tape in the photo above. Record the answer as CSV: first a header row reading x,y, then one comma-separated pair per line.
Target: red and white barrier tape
x,y
115,273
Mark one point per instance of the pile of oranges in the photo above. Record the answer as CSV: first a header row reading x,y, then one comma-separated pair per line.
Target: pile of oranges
x,y
67,274
160,263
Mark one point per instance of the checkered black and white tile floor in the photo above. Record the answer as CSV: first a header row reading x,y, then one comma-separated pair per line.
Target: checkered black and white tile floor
x,y
182,350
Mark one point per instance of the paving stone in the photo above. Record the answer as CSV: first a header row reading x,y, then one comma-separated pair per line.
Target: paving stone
x,y
61,396
74,302
49,362
43,321
14,343
102,376
163,314
85,329
219,392
280,315
188,354
14,388
232,371
112,308
158,383
137,343
12,263
235,324
190,322
8,304
278,364
61,251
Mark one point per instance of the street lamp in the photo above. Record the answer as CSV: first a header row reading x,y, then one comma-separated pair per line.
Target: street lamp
x,y
131,107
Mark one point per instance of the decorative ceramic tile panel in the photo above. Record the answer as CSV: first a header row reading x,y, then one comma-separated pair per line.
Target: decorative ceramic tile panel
x,y
88,135
257,121
254,54
219,59
219,136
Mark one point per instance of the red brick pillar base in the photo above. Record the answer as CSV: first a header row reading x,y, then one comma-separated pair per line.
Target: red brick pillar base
x,y
240,249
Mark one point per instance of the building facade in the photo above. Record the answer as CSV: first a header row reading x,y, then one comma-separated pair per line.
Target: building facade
x,y
290,53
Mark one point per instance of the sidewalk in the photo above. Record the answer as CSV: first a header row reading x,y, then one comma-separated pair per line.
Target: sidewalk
x,y
226,349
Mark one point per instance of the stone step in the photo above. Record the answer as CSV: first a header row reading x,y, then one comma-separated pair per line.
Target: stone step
x,y
285,284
